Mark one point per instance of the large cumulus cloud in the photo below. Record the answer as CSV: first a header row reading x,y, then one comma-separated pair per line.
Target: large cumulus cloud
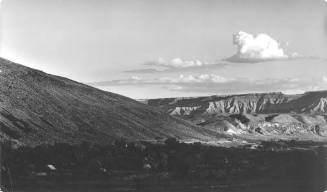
x,y
258,48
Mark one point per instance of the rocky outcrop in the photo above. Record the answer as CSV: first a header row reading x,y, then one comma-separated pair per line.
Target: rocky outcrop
x,y
184,110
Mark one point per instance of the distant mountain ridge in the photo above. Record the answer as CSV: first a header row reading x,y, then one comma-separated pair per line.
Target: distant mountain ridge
x,y
265,114
37,108
276,102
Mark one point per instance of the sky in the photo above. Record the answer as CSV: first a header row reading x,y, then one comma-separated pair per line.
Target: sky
x,y
172,48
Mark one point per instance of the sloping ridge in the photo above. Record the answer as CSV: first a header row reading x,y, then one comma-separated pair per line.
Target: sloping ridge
x,y
37,108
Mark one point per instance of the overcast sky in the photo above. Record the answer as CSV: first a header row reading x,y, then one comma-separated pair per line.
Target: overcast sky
x,y
152,48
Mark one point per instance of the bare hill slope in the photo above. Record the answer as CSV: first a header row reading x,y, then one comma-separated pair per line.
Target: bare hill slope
x,y
36,107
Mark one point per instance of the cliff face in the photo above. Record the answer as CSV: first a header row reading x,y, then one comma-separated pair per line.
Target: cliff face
x,y
265,103
37,108
269,114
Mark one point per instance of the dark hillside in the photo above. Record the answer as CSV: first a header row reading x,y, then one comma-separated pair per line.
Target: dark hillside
x,y
36,108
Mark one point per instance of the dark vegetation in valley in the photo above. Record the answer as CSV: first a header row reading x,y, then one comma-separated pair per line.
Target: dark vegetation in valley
x,y
170,166
69,135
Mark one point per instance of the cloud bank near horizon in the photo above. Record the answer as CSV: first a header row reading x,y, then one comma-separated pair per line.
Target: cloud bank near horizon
x,y
181,79
216,84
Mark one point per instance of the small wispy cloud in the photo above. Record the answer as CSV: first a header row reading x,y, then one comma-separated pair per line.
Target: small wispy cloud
x,y
324,79
143,71
257,48
203,78
177,63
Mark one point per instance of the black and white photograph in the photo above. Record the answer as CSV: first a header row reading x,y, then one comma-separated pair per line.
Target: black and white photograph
x,y
163,95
